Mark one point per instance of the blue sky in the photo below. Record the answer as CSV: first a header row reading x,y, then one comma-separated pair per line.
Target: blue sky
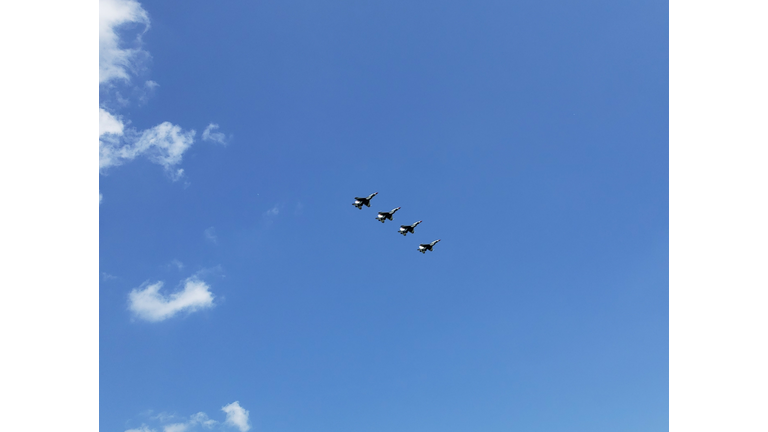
x,y
532,138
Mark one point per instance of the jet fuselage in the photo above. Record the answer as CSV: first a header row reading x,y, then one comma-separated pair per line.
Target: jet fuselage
x,y
424,247
382,216
405,229
360,202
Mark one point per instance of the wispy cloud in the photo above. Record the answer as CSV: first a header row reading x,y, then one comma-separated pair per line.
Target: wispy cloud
x,y
172,423
176,427
237,416
109,124
116,60
202,419
163,144
274,211
210,134
210,235
269,217
147,91
143,428
149,304
208,273
120,59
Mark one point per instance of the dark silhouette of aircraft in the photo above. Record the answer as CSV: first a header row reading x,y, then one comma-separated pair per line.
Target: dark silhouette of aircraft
x,y
360,202
405,229
382,216
423,248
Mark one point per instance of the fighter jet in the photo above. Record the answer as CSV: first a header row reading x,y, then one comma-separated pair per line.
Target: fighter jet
x,y
382,216
405,229
423,248
360,202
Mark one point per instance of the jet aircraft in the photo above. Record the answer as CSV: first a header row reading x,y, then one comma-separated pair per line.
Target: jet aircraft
x,y
360,202
382,216
423,248
405,229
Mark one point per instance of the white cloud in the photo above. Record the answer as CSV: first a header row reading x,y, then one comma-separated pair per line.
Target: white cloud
x,y
163,144
237,416
115,60
176,427
210,234
109,124
143,428
274,211
145,93
202,419
209,134
172,423
149,304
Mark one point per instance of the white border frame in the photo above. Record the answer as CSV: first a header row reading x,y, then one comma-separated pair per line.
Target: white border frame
x,y
718,216
49,308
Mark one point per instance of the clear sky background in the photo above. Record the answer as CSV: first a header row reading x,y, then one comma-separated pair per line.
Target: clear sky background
x,y
531,137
